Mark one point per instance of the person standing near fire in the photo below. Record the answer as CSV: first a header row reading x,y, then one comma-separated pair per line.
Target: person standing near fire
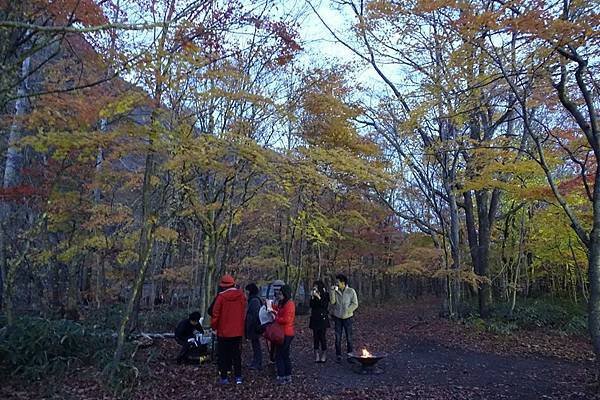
x,y
319,320
285,315
228,320
344,302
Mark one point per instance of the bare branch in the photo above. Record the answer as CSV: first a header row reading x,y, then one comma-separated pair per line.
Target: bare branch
x,y
76,29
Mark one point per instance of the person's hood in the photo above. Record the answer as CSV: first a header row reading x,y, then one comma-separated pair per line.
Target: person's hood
x,y
232,294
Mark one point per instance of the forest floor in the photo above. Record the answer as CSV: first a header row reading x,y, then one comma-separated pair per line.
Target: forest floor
x,y
428,358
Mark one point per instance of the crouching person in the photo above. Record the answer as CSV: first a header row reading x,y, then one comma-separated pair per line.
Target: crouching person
x,y
185,335
228,321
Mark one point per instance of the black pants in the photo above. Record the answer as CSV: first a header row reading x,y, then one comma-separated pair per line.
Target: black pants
x,y
282,357
185,349
230,353
320,339
190,351
256,352
271,348
343,325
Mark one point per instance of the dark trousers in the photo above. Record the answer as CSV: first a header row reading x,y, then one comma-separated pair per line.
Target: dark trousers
x,y
282,357
230,353
256,352
320,339
343,325
185,349
271,348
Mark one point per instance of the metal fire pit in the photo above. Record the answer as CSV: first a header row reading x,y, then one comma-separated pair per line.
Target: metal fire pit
x,y
365,364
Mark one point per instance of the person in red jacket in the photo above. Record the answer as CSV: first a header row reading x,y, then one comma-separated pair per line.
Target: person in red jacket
x,y
285,316
228,321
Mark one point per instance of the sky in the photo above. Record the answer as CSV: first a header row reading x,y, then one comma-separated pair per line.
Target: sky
x,y
320,46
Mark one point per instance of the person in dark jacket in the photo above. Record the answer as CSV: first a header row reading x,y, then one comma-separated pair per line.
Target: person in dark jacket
x,y
319,320
185,334
253,325
285,310
227,320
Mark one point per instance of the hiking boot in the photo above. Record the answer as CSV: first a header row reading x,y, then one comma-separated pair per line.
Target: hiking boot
x,y
338,359
288,379
317,356
239,380
223,381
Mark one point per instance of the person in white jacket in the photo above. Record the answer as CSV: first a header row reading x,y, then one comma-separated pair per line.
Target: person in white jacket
x,y
343,302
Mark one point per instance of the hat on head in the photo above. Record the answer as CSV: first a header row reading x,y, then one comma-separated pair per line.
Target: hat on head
x,y
227,281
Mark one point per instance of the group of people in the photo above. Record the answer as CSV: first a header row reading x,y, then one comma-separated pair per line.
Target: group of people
x,y
235,316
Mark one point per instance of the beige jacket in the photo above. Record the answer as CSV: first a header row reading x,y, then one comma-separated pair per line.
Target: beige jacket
x,y
343,304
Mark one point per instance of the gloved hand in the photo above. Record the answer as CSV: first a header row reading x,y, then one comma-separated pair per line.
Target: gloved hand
x,y
192,341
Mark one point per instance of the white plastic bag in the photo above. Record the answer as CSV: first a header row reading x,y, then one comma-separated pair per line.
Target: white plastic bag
x,y
265,316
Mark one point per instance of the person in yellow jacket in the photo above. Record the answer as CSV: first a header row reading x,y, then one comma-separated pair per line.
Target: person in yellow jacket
x,y
344,302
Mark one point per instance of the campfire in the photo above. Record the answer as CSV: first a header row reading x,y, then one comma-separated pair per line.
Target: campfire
x,y
367,361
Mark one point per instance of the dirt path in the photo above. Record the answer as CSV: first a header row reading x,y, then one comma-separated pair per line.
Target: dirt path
x,y
425,361
421,365
428,358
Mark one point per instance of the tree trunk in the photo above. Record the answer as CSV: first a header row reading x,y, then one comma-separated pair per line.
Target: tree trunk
x,y
135,294
204,280
454,282
100,281
71,310
11,179
483,213
594,272
578,272
520,257
145,246
9,281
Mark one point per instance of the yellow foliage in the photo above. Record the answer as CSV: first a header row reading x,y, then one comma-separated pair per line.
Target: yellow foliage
x,y
164,234
126,257
176,275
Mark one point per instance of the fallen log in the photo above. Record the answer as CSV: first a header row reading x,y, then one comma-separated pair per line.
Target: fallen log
x,y
167,335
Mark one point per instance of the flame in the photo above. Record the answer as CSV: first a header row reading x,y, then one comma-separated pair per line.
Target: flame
x,y
366,354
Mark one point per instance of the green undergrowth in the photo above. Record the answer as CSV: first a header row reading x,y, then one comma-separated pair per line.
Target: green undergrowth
x,y
559,316
50,351
35,348
158,320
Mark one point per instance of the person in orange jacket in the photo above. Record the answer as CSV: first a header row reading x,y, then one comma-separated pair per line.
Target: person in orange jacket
x,y
228,320
285,316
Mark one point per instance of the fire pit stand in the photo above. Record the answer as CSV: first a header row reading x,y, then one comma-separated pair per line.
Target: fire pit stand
x,y
365,364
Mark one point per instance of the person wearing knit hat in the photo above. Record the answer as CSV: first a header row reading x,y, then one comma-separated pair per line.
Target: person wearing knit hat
x,y
227,281
228,320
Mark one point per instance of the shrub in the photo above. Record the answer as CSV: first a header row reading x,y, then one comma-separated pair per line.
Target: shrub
x,y
542,313
161,320
501,327
35,347
552,314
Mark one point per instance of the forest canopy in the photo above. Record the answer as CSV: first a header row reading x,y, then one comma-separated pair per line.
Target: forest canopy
x,y
149,147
